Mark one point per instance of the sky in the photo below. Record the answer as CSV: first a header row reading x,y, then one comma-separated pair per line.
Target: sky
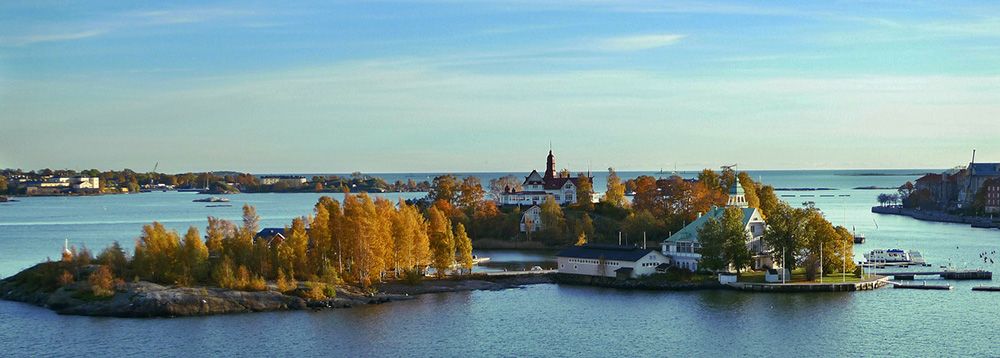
x,y
439,86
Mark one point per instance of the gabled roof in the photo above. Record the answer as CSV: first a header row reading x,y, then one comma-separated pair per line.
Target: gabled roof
x,y
607,252
270,232
690,232
930,178
557,183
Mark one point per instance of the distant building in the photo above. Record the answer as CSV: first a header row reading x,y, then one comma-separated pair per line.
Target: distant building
x,y
975,176
609,261
684,249
537,186
531,220
290,180
992,191
61,185
271,235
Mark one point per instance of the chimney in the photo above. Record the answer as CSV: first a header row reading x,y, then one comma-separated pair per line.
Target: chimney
x,y
643,240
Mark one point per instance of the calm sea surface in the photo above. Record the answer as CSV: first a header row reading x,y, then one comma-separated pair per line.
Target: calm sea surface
x,y
541,320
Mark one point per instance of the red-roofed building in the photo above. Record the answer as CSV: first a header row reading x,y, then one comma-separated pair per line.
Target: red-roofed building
x,y
537,186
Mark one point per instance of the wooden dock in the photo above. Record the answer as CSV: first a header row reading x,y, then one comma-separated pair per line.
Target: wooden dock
x,y
946,274
868,285
923,286
519,273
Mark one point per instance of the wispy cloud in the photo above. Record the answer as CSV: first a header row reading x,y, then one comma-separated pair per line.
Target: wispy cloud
x,y
637,42
52,37
122,22
186,16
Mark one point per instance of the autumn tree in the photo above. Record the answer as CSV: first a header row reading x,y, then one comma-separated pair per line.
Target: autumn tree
x,y
102,282
193,256
464,246
749,190
224,275
584,192
441,241
115,258
786,233
297,242
444,187
218,231
553,219
710,179
156,254
615,194
723,241
471,194
499,185
645,193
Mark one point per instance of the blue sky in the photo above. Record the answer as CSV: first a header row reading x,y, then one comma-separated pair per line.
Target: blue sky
x,y
383,86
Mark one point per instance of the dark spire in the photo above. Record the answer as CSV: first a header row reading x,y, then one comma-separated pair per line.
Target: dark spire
x,y
550,166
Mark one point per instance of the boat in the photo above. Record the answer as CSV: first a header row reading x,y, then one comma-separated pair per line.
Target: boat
x,y
476,260
859,238
895,257
213,199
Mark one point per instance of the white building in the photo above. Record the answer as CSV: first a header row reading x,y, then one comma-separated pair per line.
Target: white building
x,y
537,186
290,180
610,261
531,220
78,183
684,249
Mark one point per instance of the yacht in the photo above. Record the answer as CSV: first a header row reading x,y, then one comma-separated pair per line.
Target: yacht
x,y
895,256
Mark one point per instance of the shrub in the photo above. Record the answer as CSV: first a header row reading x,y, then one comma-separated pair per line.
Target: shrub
x,y
285,283
412,276
313,291
242,278
256,283
330,291
65,278
102,282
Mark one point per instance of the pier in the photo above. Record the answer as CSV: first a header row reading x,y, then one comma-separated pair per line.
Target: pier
x,y
923,286
868,285
946,274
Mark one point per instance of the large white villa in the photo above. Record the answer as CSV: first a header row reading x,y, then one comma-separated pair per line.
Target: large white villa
x,y
537,186
684,249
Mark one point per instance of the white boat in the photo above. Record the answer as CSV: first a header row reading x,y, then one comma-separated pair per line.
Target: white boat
x,y
895,256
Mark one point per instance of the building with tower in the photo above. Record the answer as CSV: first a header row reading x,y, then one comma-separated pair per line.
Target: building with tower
x,y
684,249
537,186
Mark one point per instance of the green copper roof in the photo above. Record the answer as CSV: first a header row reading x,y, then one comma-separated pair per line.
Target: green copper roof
x,y
690,232
737,189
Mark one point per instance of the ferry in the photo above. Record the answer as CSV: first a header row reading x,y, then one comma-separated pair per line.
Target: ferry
x,y
895,257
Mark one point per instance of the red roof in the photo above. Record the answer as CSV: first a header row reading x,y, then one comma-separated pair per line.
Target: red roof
x,y
930,178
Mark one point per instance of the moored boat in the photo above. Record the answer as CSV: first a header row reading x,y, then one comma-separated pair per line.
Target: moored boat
x,y
213,199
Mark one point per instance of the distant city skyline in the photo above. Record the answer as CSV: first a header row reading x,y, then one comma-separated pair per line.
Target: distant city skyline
x,y
444,86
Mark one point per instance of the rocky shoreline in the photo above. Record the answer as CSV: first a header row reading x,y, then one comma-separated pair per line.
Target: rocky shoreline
x,y
146,299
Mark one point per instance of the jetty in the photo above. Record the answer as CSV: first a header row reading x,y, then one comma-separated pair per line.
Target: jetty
x,y
923,286
945,274
868,285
